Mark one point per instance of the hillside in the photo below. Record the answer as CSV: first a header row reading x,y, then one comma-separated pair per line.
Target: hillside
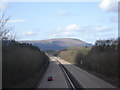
x,y
58,44
71,54
100,59
22,65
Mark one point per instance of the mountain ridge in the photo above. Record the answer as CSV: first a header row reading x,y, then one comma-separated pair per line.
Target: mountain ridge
x,y
57,43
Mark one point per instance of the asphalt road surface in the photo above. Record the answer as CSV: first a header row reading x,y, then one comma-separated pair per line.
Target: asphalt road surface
x,y
86,79
59,79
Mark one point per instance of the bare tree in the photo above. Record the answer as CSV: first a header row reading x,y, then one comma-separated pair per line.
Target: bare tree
x,y
4,30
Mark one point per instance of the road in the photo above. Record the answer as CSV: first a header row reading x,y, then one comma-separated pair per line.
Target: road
x,y
59,79
82,77
86,79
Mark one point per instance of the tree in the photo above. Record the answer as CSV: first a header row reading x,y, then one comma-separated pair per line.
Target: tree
x,y
4,30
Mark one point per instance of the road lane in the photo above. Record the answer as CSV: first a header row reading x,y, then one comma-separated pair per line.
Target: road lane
x,y
59,79
86,79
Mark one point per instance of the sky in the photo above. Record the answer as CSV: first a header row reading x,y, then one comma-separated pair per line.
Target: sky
x,y
87,21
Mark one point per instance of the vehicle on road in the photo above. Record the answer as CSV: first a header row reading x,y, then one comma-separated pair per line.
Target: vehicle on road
x,y
50,78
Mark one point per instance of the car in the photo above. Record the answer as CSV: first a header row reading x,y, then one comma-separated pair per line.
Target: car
x,y
50,78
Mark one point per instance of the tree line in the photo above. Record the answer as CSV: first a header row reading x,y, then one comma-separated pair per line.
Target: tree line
x,y
22,63
102,58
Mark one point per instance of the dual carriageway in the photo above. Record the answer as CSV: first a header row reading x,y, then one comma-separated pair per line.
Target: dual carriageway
x,y
65,75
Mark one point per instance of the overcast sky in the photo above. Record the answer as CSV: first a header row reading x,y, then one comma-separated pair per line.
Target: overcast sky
x,y
88,21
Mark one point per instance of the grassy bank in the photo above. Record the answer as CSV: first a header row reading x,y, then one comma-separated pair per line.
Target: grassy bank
x,y
101,59
21,63
74,54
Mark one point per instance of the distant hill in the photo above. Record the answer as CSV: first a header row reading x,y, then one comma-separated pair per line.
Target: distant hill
x,y
57,44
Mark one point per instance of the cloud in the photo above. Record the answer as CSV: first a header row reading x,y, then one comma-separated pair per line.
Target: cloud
x,y
60,34
65,33
109,5
72,27
102,28
3,5
77,28
17,21
62,13
29,33
52,36
85,32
